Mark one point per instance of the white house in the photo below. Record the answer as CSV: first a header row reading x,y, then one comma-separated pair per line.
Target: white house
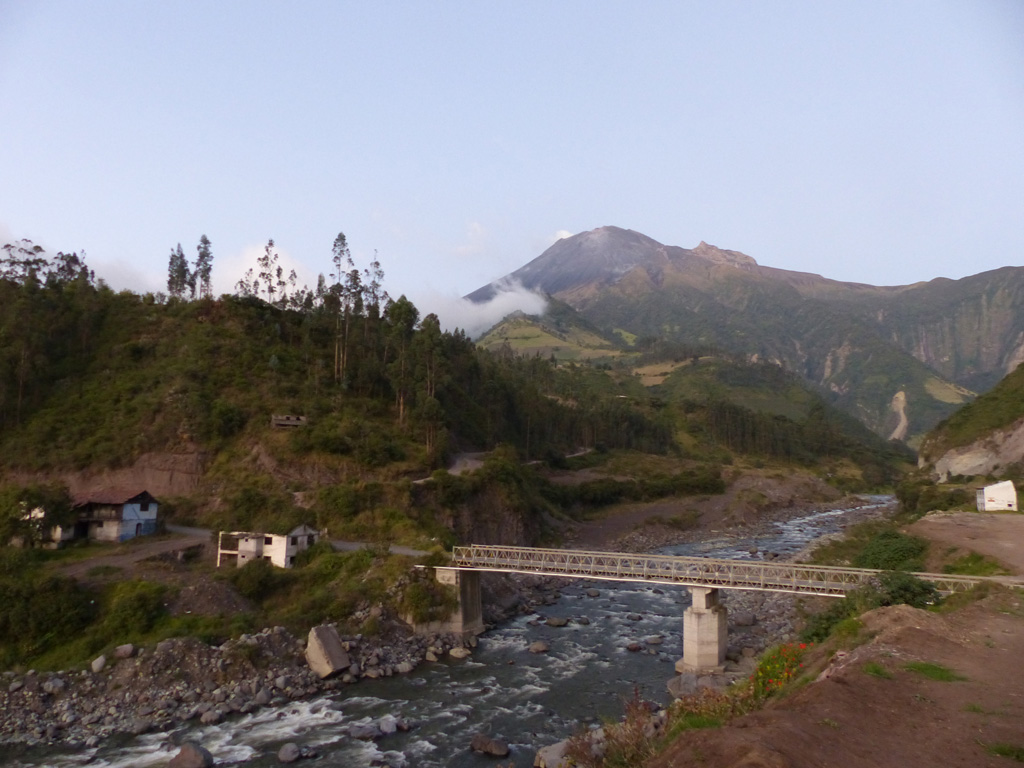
x,y
115,515
1001,496
240,547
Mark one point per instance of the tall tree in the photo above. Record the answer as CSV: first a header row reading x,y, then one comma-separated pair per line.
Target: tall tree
x,y
342,264
401,316
177,273
204,267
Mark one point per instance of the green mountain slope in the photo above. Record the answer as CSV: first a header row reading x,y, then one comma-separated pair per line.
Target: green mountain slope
x,y
998,410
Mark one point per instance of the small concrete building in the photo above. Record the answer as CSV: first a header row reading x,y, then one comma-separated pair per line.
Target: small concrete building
x,y
115,515
997,498
240,547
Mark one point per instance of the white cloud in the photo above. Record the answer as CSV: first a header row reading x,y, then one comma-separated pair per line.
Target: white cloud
x,y
456,312
561,235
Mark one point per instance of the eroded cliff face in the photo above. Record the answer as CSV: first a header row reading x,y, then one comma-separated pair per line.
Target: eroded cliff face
x,y
489,518
992,455
973,339
162,474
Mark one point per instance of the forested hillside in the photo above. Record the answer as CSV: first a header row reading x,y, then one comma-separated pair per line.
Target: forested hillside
x,y
96,384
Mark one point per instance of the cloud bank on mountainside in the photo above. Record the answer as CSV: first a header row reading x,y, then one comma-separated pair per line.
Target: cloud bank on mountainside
x,y
476,318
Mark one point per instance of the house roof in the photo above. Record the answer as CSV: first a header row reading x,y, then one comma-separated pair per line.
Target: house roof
x,y
112,496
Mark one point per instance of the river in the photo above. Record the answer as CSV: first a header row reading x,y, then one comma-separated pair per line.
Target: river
x,y
528,700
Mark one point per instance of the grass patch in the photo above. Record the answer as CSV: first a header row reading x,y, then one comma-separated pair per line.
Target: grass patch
x,y
933,671
974,564
1012,751
875,669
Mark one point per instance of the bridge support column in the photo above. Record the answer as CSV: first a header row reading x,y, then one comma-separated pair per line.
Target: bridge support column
x,y
468,619
705,633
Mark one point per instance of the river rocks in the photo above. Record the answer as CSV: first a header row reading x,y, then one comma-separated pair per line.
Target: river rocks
x,y
211,717
365,731
289,753
593,593
459,653
538,647
485,745
125,651
191,755
324,652
654,640
743,618
98,664
556,621
552,756
55,686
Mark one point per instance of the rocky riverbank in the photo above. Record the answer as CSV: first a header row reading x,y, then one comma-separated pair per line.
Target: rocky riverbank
x,y
138,690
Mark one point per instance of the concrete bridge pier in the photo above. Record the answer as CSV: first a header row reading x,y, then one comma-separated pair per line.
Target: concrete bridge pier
x,y
468,618
705,633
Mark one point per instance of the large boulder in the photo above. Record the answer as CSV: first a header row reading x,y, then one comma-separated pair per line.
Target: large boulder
x,y
191,755
324,652
552,756
289,753
485,745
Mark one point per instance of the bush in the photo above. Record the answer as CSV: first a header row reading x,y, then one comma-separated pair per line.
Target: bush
x,y
893,551
257,579
134,609
425,601
891,588
37,615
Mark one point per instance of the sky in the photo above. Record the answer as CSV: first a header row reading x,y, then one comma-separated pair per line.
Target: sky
x,y
873,142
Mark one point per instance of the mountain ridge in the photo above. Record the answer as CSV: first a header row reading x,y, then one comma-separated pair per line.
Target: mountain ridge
x,y
929,345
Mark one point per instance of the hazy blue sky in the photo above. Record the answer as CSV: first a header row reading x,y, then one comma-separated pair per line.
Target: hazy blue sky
x,y
872,142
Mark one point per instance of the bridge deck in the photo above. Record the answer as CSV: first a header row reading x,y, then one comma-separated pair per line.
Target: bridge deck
x,y
685,571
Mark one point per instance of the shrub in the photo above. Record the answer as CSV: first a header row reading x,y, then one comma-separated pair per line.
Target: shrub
x,y
890,588
893,551
777,667
39,614
257,579
425,601
134,609
901,588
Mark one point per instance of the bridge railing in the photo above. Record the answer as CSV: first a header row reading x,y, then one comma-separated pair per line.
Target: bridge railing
x,y
830,581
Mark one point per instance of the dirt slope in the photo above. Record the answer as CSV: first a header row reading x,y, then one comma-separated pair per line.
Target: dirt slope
x,y
853,719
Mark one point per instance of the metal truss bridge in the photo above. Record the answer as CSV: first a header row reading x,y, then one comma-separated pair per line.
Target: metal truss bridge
x,y
684,571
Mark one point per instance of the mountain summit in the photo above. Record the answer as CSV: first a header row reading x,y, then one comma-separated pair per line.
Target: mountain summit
x,y
583,264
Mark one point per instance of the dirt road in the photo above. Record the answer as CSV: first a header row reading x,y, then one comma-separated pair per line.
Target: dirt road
x,y
131,552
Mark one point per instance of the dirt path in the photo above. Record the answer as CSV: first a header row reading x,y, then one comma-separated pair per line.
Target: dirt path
x,y
131,552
